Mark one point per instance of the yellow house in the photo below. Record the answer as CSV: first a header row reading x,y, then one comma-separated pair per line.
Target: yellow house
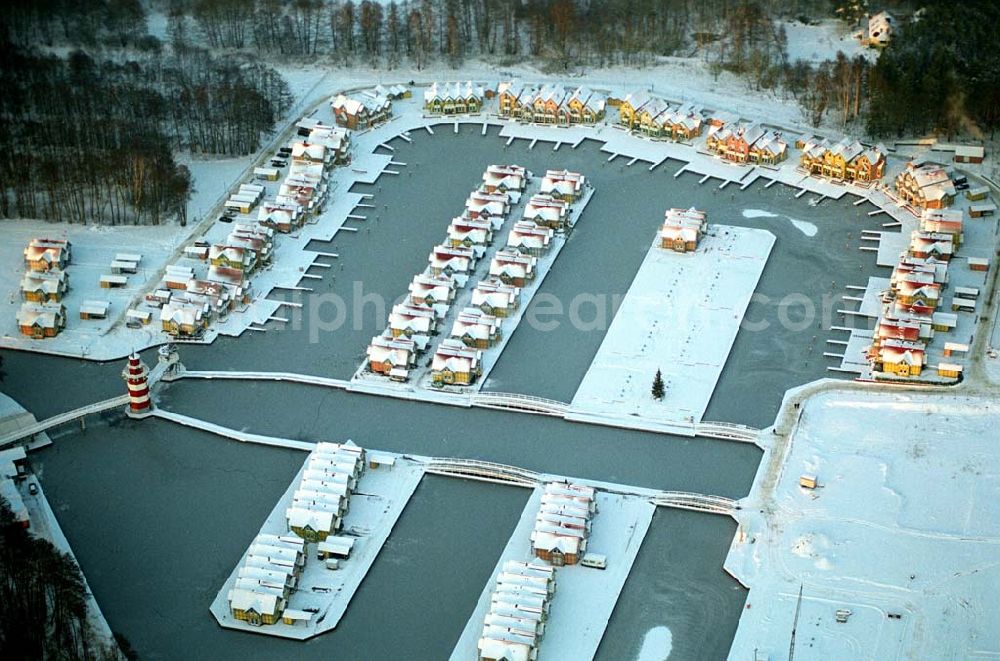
x,y
231,257
900,358
255,608
629,108
585,107
949,370
651,116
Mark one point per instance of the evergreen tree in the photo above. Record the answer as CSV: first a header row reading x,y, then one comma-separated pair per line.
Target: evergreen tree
x,y
658,388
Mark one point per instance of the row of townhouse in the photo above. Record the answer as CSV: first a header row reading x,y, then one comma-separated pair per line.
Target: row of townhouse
x,y
562,525
45,283
518,611
912,307
512,267
413,322
367,108
322,497
926,186
454,98
269,574
550,104
845,160
188,304
520,604
747,143
682,229
656,118
458,359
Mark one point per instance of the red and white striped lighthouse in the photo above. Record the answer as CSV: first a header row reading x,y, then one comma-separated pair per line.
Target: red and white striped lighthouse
x,y
137,379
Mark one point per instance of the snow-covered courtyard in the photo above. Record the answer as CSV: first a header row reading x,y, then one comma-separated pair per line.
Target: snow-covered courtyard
x,y
901,531
681,315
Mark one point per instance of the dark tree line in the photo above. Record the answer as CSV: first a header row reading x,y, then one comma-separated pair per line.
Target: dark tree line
x,y
91,136
562,33
941,74
44,614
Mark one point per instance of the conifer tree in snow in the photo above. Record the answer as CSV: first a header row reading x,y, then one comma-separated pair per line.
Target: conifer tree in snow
x,y
658,388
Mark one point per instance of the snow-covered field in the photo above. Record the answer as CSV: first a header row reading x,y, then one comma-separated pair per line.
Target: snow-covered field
x,y
822,41
681,315
94,248
905,522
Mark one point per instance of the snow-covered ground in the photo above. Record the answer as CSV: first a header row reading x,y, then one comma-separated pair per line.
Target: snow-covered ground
x,y
822,41
681,315
584,598
375,505
905,522
94,248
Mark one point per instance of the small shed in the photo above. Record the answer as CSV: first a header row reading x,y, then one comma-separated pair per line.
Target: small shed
x,y
962,305
134,316
120,266
266,174
377,460
293,616
969,153
944,321
807,481
982,209
334,546
979,264
978,193
243,206
94,309
951,348
113,281
949,370
128,257
967,292
196,252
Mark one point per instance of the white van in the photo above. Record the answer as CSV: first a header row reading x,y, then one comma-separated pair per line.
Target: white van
x,y
595,561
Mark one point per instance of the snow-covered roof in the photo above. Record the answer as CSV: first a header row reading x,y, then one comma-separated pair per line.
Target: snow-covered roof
x,y
395,351
454,356
512,264
42,315
246,600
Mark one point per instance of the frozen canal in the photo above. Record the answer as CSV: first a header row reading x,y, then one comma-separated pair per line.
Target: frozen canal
x,y
131,496
130,493
815,255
